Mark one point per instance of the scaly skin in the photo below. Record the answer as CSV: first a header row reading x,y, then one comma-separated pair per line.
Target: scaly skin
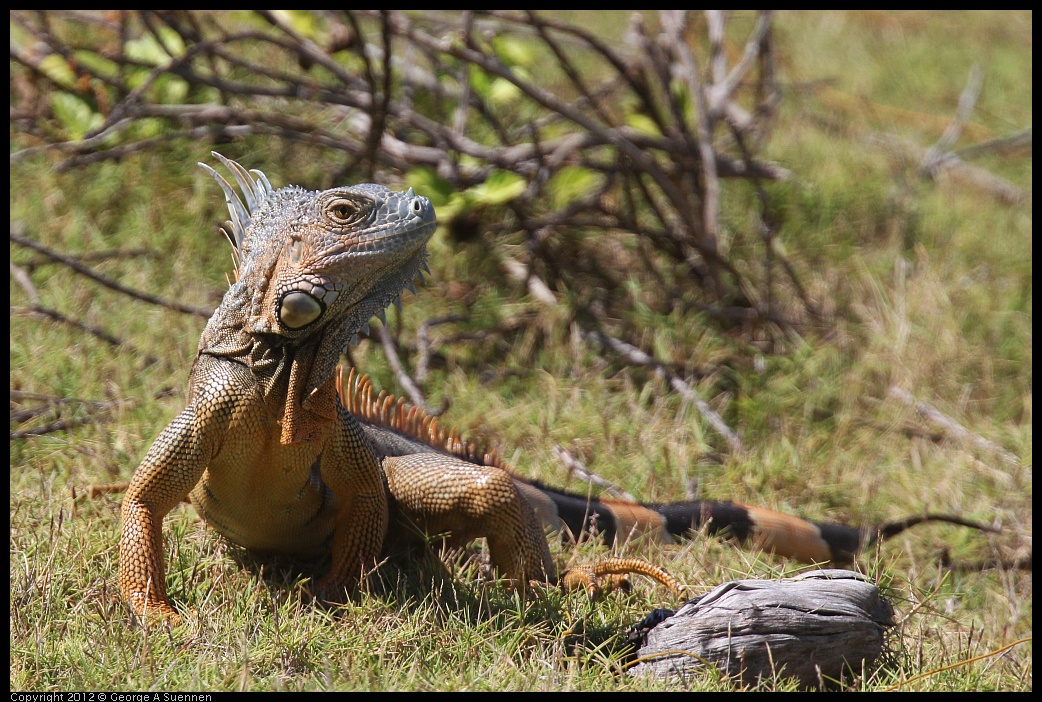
x,y
278,456
266,451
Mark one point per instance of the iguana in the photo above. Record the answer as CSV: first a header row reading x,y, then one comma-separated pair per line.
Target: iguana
x,y
266,452
278,460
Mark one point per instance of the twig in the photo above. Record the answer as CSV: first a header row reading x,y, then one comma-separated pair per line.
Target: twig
x,y
50,427
769,230
52,402
410,387
41,312
94,257
1010,142
519,272
719,93
672,21
215,132
569,69
118,287
21,276
1022,561
423,343
78,146
670,173
634,355
950,426
554,103
937,153
990,183
579,470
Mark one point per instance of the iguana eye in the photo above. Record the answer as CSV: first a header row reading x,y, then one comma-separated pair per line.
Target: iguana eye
x,y
343,211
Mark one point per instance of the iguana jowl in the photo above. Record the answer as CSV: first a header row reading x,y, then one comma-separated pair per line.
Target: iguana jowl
x,y
264,449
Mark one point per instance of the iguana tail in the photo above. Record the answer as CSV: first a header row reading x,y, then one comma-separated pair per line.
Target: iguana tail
x,y
783,534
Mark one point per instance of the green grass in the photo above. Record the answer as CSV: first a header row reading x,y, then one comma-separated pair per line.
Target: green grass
x,y
930,285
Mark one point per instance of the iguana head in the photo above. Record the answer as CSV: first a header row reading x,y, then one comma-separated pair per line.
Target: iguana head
x,y
313,258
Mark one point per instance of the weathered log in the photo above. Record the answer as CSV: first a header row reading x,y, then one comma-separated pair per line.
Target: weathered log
x,y
820,626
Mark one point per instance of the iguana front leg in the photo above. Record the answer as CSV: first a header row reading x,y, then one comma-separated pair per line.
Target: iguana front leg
x,y
352,472
168,472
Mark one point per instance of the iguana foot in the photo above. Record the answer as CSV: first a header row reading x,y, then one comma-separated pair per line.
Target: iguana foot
x,y
153,611
598,579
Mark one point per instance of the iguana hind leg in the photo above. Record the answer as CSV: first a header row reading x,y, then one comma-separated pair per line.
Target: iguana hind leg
x,y
447,495
602,577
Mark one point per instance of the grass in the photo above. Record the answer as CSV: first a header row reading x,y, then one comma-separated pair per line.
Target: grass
x,y
930,284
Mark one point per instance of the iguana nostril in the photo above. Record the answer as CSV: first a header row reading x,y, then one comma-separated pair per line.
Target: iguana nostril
x,y
299,309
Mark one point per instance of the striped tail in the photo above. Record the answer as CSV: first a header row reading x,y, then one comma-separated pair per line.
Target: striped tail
x,y
618,521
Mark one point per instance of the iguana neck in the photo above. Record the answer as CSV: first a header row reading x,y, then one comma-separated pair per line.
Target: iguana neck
x,y
299,399
296,376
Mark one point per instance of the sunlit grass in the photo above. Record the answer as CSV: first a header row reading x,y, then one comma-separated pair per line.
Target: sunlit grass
x,y
929,285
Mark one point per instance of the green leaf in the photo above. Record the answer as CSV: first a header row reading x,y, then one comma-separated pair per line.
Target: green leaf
x,y
514,51
148,128
97,63
498,188
303,22
683,98
171,89
148,50
75,115
480,81
643,123
503,91
57,69
571,183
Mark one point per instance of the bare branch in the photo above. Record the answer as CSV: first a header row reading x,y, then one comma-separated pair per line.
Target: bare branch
x,y
423,343
950,426
577,469
1010,142
39,312
113,285
411,388
25,283
635,356
657,181
688,72
977,177
939,152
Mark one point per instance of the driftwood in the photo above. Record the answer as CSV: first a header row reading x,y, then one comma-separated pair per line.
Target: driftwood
x,y
821,626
